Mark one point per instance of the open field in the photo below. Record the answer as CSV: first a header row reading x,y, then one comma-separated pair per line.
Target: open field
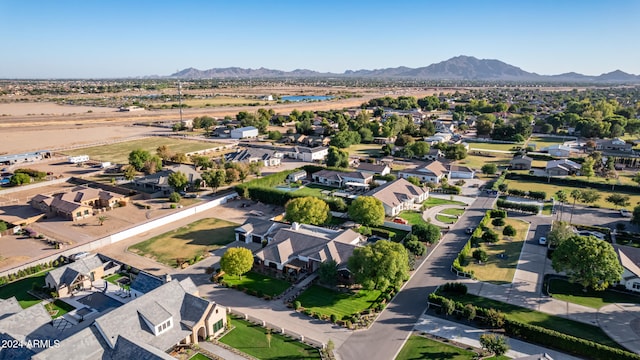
x,y
187,242
491,146
364,149
118,153
259,283
503,255
476,161
551,189
566,291
49,108
252,339
324,301
215,101
543,141
532,317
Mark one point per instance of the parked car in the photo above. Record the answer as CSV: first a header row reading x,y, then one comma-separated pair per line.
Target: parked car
x,y
80,255
190,196
625,213
469,230
400,221
542,240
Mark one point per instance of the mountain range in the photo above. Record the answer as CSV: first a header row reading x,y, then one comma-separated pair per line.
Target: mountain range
x,y
456,68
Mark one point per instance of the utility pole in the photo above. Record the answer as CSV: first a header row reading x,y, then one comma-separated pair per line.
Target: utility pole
x,y
180,100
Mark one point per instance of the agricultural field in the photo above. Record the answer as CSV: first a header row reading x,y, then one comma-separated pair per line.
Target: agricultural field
x,y
503,255
212,102
551,189
118,153
187,242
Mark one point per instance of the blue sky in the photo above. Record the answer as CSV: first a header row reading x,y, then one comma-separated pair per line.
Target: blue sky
x,y
112,38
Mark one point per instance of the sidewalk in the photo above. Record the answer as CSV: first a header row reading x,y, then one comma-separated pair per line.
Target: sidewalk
x,y
471,336
220,351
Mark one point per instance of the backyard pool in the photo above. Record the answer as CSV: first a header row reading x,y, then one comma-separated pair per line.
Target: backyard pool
x,y
100,302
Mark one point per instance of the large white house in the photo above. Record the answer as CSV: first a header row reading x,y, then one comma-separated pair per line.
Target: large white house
x,y
630,261
244,132
399,195
433,172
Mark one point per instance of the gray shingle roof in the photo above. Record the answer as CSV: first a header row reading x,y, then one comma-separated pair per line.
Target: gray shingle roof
x,y
32,323
396,192
68,273
146,282
9,307
87,344
154,313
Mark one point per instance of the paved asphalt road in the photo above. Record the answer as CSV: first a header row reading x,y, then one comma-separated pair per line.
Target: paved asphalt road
x,y
387,335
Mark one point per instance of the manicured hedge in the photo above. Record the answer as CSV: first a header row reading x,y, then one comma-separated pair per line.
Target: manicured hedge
x,y
534,209
540,335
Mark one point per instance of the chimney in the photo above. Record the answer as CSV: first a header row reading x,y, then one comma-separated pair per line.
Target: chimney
x,y
167,278
295,226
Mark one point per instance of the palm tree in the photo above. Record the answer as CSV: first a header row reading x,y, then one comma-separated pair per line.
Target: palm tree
x,y
102,219
561,197
576,194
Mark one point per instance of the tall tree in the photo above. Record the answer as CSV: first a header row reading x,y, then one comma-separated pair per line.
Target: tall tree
x,y
576,194
367,210
426,232
307,210
337,157
561,197
236,261
587,261
489,169
164,152
138,157
328,272
380,265
589,196
619,200
215,178
178,180
587,167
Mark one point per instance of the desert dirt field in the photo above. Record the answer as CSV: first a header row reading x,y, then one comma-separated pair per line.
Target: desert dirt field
x,y
47,108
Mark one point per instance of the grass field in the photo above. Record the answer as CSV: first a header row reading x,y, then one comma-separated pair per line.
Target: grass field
x,y
19,290
532,317
113,279
62,308
542,141
213,102
325,301
566,291
446,219
365,149
119,153
188,241
313,190
252,339
476,161
258,282
199,356
420,347
431,202
491,146
413,217
551,189
503,255
453,211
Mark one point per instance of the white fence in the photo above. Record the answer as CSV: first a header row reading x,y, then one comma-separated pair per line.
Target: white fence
x,y
127,233
33,186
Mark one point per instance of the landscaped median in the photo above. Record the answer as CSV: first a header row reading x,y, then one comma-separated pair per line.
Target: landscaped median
x,y
565,335
493,250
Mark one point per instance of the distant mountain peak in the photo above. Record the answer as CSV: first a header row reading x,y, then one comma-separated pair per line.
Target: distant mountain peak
x,y
461,67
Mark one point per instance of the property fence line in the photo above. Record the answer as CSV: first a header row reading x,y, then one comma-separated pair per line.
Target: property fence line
x,y
33,186
127,233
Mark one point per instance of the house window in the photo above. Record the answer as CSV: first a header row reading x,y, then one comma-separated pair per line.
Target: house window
x,y
218,325
636,286
86,212
78,214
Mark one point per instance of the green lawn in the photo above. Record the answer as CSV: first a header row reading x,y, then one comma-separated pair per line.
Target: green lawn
x,y
446,219
365,150
19,290
566,291
541,141
491,146
413,217
325,301
432,201
252,339
419,347
119,153
547,208
62,308
503,255
400,234
258,282
532,317
188,241
199,356
476,161
313,190
551,189
114,279
453,211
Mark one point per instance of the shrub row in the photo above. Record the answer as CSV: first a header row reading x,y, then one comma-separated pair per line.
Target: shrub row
x,y
31,172
498,181
454,288
534,209
29,271
461,260
496,213
278,197
573,182
533,333
538,195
